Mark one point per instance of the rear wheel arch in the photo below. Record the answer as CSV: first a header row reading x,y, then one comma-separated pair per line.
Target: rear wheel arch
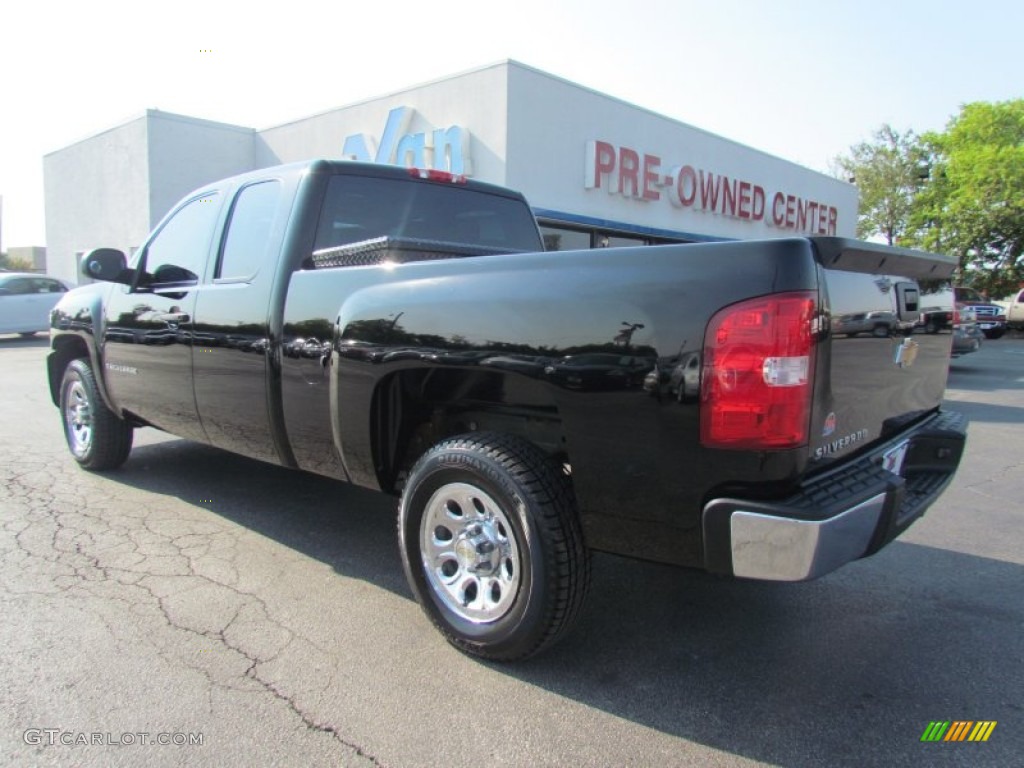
x,y
410,413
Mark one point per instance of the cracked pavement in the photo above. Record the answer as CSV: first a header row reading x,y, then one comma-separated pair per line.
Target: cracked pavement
x,y
198,592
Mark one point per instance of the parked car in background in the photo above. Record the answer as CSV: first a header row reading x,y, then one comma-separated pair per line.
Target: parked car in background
x,y
967,335
879,323
1015,311
943,311
26,300
991,316
599,371
935,320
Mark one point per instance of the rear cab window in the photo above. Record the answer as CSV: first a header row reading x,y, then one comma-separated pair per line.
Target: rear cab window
x,y
359,208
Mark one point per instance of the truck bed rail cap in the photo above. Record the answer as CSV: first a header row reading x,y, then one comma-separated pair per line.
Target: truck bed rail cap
x,y
840,252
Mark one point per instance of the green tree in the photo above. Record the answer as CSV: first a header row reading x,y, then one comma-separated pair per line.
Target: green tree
x,y
973,204
14,264
888,172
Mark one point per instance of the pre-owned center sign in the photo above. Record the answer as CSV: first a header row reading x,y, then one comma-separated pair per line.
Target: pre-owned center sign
x,y
624,171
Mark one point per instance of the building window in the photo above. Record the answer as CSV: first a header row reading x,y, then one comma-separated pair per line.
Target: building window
x,y
562,239
608,240
568,238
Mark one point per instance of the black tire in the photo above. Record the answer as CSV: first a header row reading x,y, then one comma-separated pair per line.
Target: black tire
x,y
880,331
97,438
516,511
27,334
994,333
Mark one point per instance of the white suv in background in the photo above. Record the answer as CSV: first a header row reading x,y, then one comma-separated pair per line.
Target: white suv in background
x,y
1015,310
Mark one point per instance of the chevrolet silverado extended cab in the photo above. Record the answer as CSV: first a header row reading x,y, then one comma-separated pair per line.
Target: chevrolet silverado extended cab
x,y
403,330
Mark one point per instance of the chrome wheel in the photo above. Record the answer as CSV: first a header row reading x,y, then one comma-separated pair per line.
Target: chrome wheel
x,y
78,418
97,437
469,551
492,545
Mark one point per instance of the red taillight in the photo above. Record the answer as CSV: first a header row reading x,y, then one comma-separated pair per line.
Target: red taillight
x,y
956,316
758,373
431,175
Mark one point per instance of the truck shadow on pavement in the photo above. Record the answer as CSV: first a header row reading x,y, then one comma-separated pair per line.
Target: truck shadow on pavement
x,y
346,527
847,670
995,414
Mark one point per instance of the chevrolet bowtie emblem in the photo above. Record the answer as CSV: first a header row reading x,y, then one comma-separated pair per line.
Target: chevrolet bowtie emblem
x,y
906,353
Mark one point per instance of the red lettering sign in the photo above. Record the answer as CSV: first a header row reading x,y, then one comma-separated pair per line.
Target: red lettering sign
x,y
625,171
600,163
757,212
744,211
651,177
778,204
710,185
629,170
686,186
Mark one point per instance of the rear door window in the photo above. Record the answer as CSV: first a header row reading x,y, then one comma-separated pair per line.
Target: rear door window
x,y
249,228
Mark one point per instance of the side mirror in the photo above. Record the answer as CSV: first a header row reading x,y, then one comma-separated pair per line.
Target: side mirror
x,y
108,265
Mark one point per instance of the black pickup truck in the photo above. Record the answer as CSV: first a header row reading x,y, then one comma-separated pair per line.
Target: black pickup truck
x,y
403,330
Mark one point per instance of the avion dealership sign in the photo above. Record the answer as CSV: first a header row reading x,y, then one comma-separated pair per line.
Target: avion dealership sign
x,y
623,171
441,149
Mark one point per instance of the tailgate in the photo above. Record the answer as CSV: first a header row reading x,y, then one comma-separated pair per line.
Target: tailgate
x,y
878,371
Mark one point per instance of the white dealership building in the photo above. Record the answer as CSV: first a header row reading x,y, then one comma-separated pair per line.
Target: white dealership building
x,y
597,170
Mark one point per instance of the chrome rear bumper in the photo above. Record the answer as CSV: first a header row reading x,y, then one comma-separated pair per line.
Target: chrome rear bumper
x,y
847,513
782,549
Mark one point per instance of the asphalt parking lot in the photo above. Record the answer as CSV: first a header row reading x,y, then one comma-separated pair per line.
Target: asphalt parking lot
x,y
201,597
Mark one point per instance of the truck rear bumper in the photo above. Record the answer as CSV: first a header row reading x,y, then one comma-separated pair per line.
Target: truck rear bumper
x,y
845,514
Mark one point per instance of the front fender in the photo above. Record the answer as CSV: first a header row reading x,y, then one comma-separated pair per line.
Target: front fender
x,y
75,328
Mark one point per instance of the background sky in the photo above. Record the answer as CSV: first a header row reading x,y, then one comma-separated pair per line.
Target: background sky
x,y
800,79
